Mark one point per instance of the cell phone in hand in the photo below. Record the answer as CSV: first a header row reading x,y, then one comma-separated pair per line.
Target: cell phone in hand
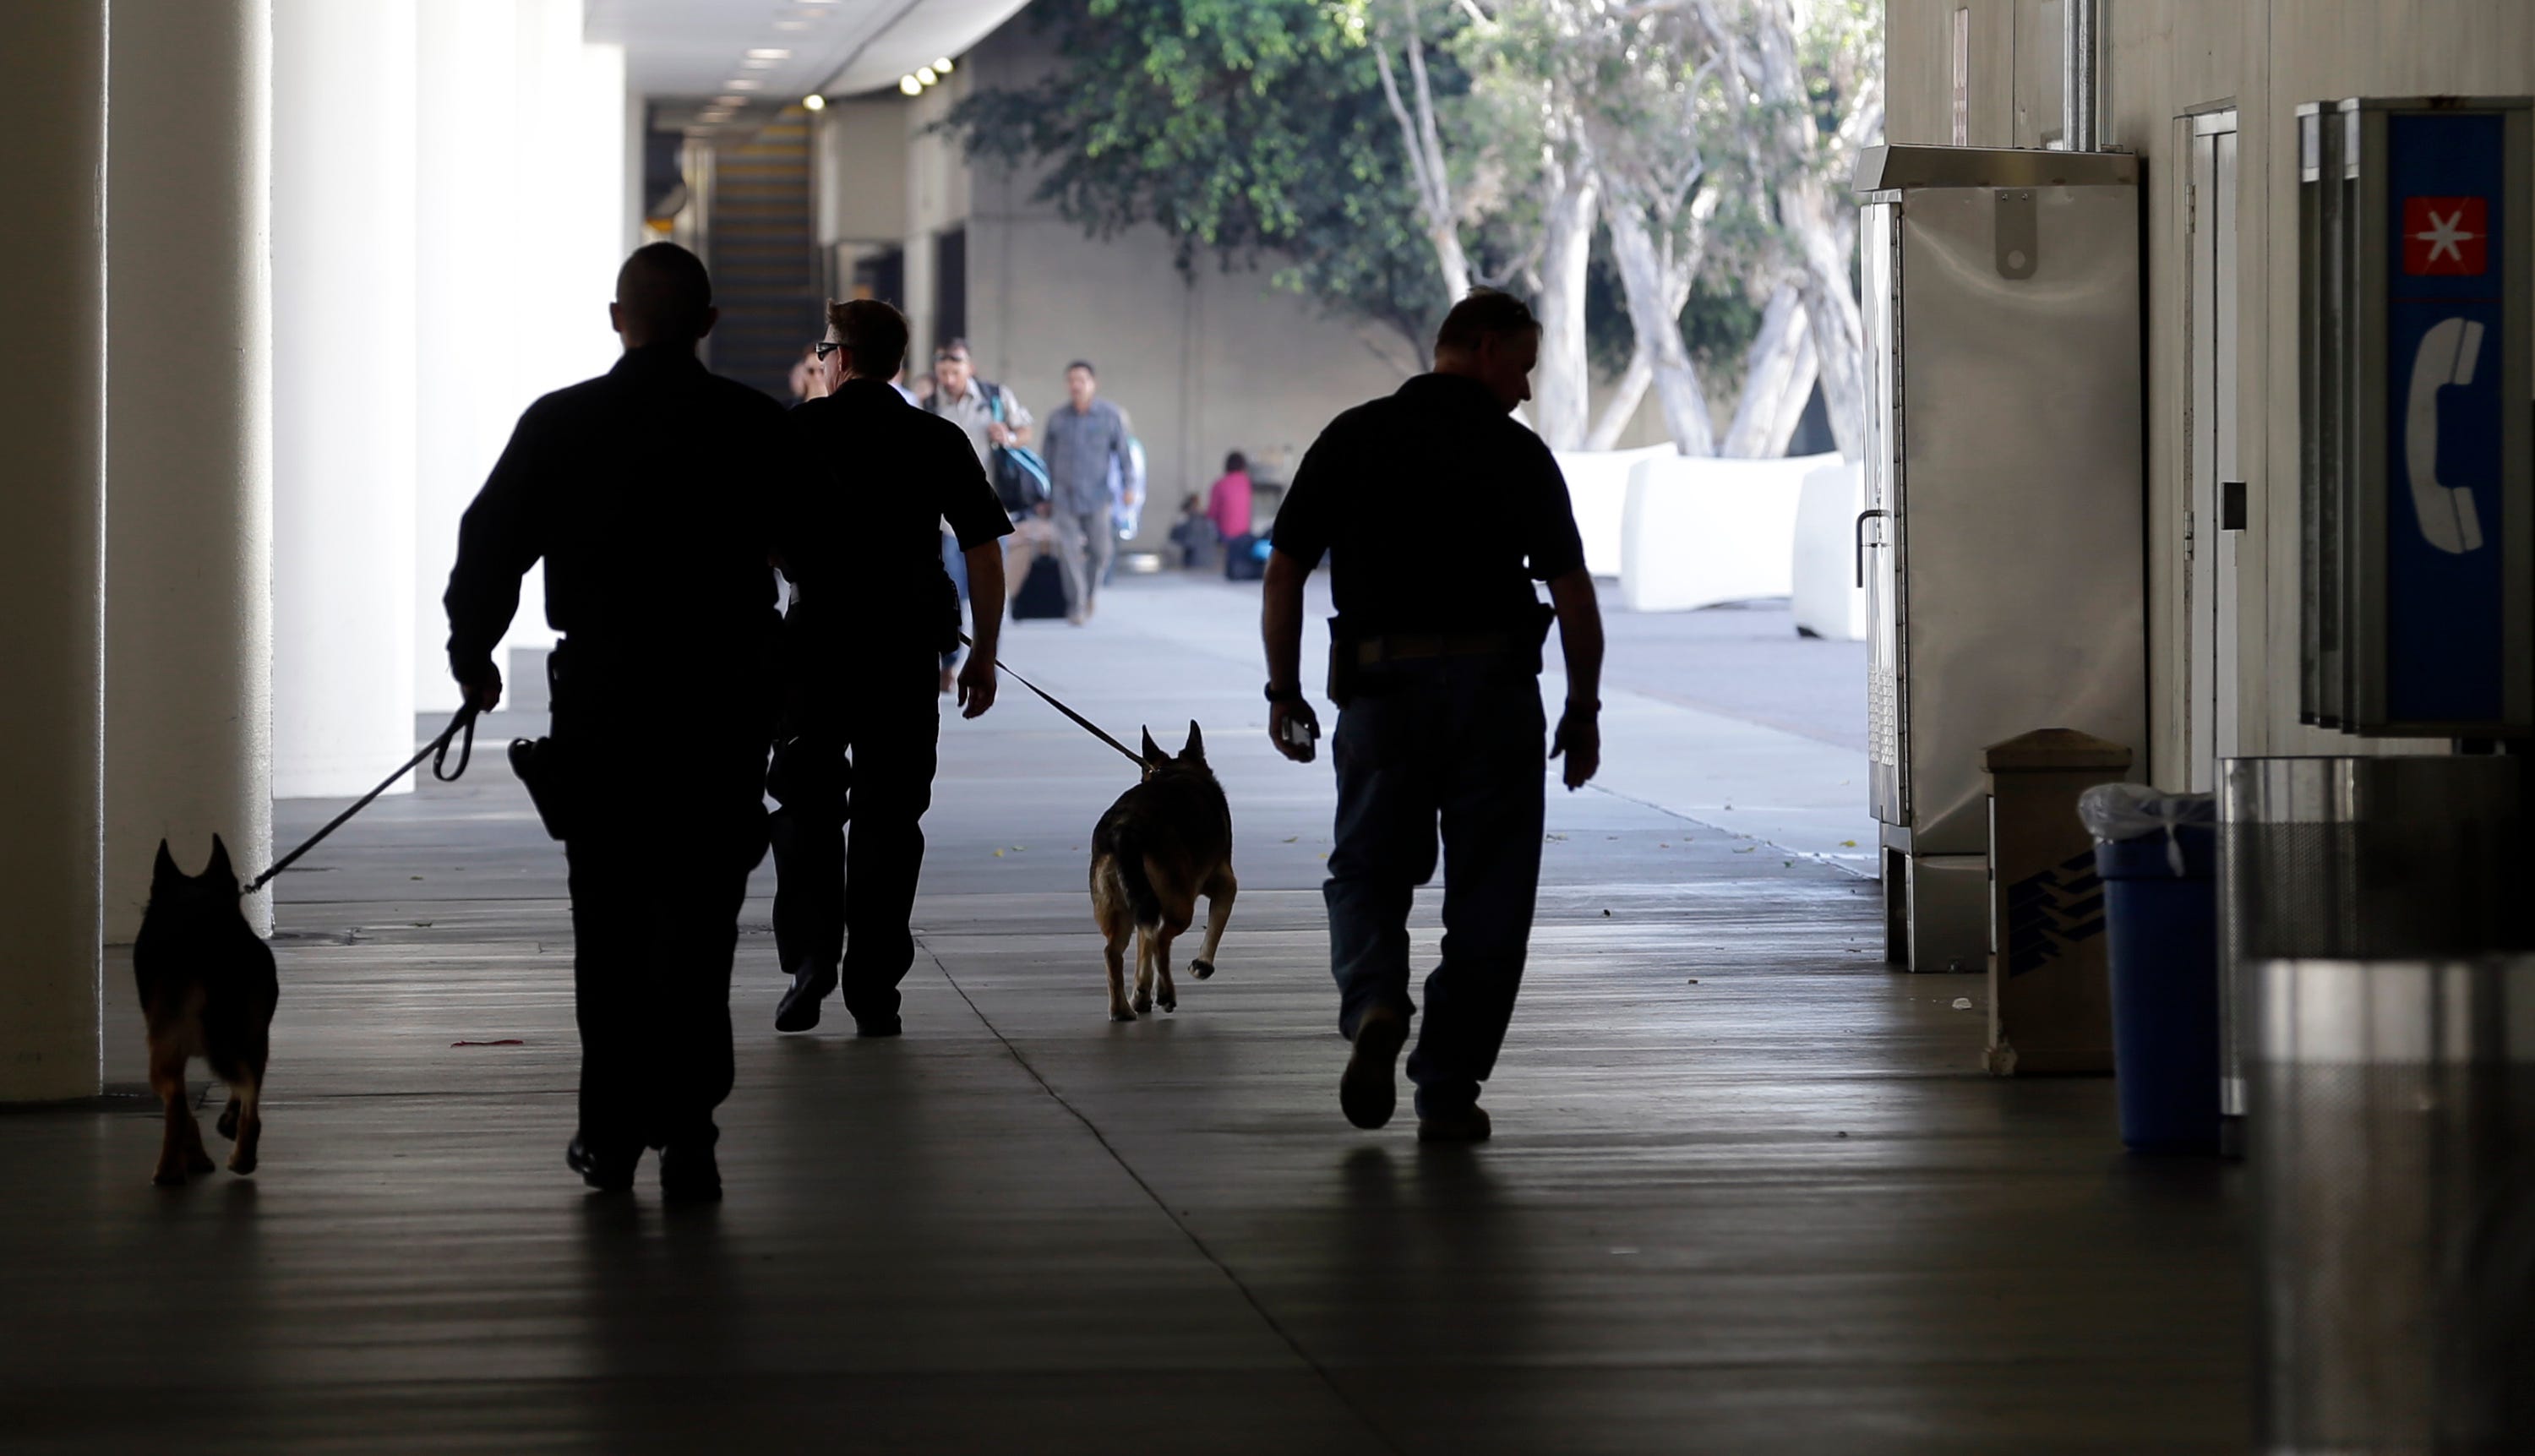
x,y
1301,731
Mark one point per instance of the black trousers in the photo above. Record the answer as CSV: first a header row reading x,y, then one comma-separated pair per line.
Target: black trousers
x,y
1456,744
664,830
859,743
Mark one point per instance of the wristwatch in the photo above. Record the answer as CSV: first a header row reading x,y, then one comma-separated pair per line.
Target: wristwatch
x,y
1277,694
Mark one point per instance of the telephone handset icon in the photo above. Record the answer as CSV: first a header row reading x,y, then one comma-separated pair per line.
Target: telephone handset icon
x,y
2447,356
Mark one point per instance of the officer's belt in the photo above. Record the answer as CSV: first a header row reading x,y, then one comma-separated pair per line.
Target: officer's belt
x,y
1409,647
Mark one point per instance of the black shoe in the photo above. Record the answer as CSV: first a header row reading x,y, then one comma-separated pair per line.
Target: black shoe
x,y
799,1009
877,1025
608,1173
1366,1093
688,1173
1466,1125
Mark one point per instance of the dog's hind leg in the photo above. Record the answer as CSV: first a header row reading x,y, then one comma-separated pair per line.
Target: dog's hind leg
x,y
1114,952
245,1101
180,1142
1219,893
1144,940
1166,993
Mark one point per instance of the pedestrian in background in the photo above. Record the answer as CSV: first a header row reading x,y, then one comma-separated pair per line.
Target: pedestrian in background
x,y
1227,504
1086,439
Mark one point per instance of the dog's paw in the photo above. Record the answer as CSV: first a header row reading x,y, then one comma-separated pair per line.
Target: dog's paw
x,y
198,1161
1170,1005
1121,1013
1144,1002
227,1126
1200,969
242,1162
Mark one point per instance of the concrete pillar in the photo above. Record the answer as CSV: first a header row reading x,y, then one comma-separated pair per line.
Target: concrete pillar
x,y
466,336
343,315
52,525
188,455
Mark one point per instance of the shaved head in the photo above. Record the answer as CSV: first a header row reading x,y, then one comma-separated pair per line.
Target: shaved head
x,y
662,297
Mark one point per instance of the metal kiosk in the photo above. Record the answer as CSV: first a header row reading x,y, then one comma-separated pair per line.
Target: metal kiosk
x,y
2002,543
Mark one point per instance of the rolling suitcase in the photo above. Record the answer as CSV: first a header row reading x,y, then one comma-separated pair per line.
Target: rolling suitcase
x,y
1042,593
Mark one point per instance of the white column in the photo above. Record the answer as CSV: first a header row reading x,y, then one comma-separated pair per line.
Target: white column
x,y
570,234
343,322
466,338
189,469
52,525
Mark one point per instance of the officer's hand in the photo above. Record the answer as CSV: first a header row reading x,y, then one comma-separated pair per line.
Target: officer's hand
x,y
484,690
977,684
1284,719
1579,743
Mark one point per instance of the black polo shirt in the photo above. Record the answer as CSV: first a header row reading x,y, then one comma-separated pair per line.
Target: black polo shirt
x,y
649,493
862,534
1437,509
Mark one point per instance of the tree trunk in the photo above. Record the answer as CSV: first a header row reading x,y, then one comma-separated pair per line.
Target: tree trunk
x,y
1780,362
1676,379
1819,225
1622,404
1838,334
1558,382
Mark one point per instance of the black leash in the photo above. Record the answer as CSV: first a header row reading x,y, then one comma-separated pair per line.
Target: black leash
x,y
437,750
1049,698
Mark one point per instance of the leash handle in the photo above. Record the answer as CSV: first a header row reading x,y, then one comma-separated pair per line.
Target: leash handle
x,y
437,750
1080,721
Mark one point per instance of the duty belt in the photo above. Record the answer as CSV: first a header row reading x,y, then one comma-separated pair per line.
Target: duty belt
x,y
1404,647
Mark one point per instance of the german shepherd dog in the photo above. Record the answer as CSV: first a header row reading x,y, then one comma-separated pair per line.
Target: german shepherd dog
x,y
207,989
1166,841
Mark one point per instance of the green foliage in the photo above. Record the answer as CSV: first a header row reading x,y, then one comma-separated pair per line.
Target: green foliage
x,y
1251,130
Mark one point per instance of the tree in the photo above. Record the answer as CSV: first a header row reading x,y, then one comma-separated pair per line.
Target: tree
x,y
1251,130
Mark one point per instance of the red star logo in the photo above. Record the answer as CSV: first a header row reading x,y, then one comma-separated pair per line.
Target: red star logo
x,y
2447,236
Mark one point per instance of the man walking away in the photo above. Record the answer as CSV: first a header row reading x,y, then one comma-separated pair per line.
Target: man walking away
x,y
861,541
1434,660
1086,436
646,491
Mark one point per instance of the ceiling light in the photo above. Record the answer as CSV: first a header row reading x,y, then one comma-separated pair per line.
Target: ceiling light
x,y
925,75
730,101
942,65
792,25
769,55
754,65
814,103
910,86
746,83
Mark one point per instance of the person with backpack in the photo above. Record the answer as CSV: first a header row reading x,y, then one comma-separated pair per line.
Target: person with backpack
x,y
999,428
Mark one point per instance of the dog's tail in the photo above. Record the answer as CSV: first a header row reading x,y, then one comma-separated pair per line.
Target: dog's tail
x,y
1129,857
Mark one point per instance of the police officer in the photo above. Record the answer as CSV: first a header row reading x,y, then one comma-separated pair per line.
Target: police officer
x,y
1437,512
648,492
862,645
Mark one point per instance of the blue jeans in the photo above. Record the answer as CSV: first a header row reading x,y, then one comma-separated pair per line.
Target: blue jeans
x,y
1458,742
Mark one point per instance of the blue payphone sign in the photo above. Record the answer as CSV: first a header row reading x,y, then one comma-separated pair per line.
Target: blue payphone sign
x,y
2446,422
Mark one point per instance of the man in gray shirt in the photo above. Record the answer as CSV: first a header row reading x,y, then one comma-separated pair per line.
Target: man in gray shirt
x,y
1084,437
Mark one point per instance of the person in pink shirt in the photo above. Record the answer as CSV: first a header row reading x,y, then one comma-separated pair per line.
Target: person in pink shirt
x,y
1228,506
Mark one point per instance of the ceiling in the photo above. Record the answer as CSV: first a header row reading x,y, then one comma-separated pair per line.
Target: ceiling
x,y
774,50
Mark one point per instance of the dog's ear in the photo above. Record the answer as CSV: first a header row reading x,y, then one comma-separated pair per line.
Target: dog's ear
x,y
219,868
164,869
1153,753
1196,745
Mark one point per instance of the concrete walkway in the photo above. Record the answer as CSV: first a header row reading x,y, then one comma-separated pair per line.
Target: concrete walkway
x,y
1748,1193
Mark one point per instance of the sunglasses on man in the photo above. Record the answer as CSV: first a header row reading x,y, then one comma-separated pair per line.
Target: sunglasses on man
x,y
825,348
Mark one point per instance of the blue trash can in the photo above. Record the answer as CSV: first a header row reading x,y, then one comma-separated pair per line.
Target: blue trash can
x,y
2161,903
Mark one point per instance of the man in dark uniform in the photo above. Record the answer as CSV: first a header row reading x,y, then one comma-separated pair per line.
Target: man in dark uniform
x,y
1437,512
648,492
863,647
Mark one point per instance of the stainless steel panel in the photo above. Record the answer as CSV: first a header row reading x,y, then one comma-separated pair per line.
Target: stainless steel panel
x,y
2019,543
1893,167
2394,1104
1879,283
